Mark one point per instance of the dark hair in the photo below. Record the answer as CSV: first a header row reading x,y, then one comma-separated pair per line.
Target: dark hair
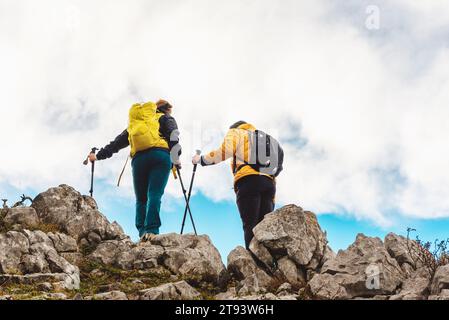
x,y
163,106
237,124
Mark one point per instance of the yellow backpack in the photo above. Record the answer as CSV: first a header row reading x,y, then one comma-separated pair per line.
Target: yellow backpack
x,y
143,128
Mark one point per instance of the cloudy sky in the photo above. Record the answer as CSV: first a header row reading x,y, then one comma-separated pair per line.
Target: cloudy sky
x,y
357,92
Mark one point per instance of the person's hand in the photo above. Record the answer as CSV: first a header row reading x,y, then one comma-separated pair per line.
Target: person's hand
x,y
92,157
196,159
178,165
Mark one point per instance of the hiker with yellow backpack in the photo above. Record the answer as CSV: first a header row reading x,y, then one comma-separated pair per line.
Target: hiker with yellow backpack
x,y
257,159
153,136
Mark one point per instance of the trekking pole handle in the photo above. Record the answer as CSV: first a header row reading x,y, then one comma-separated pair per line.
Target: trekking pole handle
x,y
198,152
94,150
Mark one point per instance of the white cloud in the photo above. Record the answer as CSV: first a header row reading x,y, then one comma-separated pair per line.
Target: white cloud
x,y
372,115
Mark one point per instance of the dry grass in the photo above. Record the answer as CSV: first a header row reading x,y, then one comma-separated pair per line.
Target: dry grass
x,y
45,227
20,291
108,277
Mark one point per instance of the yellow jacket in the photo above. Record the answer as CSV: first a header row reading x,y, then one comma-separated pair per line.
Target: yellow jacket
x,y
235,144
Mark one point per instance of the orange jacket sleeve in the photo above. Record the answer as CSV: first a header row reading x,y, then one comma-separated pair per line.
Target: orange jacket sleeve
x,y
227,149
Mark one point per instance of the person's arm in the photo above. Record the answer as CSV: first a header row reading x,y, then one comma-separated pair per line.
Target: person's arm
x,y
169,130
120,142
227,150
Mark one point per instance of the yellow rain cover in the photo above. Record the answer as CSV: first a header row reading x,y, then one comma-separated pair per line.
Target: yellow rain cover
x,y
143,128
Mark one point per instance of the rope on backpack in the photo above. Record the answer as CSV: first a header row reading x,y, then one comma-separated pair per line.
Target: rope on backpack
x,y
123,170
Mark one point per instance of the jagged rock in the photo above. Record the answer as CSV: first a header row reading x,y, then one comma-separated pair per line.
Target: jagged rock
x,y
76,214
93,239
365,269
5,298
125,255
112,295
32,254
109,252
403,250
262,254
13,245
63,243
146,256
190,255
34,264
415,287
328,255
230,294
23,216
327,287
243,268
170,291
58,264
291,273
290,232
39,239
184,255
443,295
285,287
440,280
288,248
289,244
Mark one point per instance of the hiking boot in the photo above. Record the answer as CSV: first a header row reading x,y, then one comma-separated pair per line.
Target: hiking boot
x,y
147,237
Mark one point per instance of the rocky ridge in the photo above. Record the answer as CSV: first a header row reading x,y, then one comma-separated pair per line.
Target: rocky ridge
x,y
62,247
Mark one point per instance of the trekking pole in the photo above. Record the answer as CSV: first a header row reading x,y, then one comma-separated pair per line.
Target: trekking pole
x,y
93,151
198,152
184,191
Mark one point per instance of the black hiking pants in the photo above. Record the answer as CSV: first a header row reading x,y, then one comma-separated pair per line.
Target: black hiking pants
x,y
255,198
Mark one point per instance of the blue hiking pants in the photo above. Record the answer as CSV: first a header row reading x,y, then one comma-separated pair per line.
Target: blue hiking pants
x,y
151,170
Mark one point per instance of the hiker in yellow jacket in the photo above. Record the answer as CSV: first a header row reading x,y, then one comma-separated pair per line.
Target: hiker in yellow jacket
x,y
255,191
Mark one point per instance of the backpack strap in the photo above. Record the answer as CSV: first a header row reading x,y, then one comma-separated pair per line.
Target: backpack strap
x,y
123,170
245,163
